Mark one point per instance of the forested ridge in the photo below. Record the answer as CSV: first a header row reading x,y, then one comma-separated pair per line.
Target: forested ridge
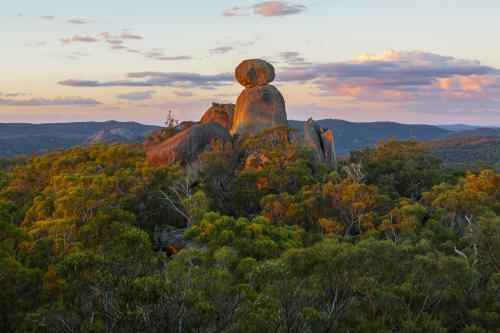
x,y
392,241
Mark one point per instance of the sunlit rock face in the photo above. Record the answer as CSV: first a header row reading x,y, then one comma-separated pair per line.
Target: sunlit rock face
x,y
221,114
259,105
320,140
254,72
258,108
185,147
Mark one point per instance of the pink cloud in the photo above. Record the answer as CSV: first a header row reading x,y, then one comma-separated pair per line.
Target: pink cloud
x,y
78,38
277,8
266,9
84,39
401,75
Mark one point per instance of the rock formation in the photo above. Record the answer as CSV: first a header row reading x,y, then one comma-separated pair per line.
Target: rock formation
x,y
221,114
259,105
320,140
187,145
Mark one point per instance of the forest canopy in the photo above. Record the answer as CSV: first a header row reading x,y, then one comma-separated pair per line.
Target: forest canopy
x,y
392,241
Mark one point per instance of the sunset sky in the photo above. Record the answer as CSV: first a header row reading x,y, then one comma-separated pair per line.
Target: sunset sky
x,y
426,61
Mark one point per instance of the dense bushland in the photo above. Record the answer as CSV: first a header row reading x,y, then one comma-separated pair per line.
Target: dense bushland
x,y
391,242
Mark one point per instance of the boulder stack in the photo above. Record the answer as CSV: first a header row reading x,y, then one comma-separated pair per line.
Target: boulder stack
x,y
259,105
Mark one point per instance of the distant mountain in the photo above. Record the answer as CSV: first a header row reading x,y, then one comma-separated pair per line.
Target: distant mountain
x,y
23,139
464,127
458,127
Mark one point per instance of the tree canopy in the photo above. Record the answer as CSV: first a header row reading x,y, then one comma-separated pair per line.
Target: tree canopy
x,y
393,241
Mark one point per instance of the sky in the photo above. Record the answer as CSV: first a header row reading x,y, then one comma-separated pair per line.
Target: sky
x,y
426,61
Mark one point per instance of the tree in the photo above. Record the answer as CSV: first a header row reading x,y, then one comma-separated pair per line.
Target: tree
x,y
358,205
400,168
255,238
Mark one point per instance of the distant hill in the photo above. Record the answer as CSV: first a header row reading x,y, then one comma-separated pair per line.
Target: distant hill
x,y
462,127
458,127
483,131
467,149
350,135
23,139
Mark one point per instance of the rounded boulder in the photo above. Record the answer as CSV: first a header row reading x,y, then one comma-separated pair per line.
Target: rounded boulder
x,y
254,72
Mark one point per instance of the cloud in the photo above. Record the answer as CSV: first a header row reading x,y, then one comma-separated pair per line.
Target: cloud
x,y
137,95
158,55
117,42
14,94
65,41
277,8
159,79
168,58
236,11
292,57
266,9
128,35
48,101
400,75
71,55
221,49
84,39
114,41
35,44
183,93
78,38
123,36
79,21
48,17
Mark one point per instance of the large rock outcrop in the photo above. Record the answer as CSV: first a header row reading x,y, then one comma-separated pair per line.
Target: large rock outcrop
x,y
258,108
185,147
221,114
320,140
254,72
259,105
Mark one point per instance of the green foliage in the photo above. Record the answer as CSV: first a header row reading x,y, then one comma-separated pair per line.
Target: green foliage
x,y
400,168
255,238
396,245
